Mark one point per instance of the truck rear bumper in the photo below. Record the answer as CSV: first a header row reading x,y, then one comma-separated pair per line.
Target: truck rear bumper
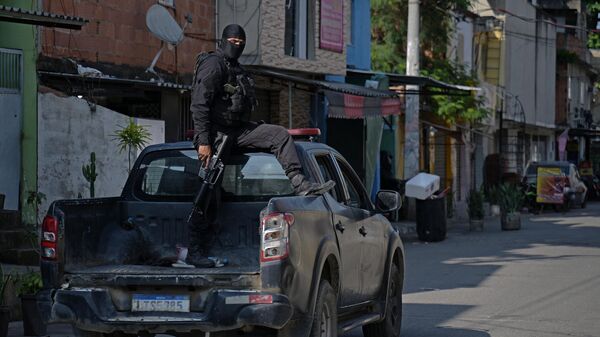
x,y
92,309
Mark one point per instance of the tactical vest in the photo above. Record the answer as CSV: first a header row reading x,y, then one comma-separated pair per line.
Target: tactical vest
x,y
237,92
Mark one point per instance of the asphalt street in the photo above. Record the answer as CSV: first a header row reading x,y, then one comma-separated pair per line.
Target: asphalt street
x,y
543,280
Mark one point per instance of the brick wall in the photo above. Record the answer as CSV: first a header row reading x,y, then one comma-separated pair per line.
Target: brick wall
x,y
272,41
301,100
117,33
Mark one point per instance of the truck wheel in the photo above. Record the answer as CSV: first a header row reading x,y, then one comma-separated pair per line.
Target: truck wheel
x,y
325,322
391,324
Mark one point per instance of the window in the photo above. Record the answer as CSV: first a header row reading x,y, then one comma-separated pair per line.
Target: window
x,y
358,198
298,37
173,175
326,169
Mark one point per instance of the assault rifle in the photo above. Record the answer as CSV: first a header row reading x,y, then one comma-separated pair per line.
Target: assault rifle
x,y
210,176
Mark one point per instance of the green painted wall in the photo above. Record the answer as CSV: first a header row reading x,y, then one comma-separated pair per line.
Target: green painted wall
x,y
23,37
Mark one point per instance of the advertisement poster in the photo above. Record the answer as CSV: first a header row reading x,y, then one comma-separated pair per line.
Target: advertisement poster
x,y
332,25
550,185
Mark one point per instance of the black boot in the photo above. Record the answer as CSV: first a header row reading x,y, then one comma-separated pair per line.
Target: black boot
x,y
201,236
304,187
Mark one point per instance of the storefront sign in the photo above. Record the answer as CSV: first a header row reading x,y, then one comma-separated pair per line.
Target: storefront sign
x,y
550,185
332,25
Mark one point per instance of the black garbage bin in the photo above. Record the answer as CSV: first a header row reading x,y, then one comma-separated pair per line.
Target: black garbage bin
x,y
431,218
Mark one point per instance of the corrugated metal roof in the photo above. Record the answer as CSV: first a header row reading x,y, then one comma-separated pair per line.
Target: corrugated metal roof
x,y
421,81
147,84
345,88
40,18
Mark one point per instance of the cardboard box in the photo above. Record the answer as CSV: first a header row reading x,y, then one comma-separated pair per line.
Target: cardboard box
x,y
422,186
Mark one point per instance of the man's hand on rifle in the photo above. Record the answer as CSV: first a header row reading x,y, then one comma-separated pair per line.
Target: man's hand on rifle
x,y
204,153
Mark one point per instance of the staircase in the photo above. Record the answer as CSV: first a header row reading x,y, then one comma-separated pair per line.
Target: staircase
x,y
16,248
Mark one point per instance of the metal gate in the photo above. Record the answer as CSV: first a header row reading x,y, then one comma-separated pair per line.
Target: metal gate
x,y
11,111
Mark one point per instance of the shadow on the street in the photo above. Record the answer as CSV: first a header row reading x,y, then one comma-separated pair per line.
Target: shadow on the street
x,y
466,260
418,318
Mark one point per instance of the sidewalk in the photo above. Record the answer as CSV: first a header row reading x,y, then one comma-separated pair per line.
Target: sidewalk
x,y
15,329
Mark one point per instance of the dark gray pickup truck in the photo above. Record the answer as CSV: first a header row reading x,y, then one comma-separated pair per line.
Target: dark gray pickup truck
x,y
297,266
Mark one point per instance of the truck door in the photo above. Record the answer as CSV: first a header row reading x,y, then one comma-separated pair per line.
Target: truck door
x,y
346,230
370,227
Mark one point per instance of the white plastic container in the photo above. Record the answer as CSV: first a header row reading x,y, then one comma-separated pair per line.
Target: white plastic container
x,y
422,186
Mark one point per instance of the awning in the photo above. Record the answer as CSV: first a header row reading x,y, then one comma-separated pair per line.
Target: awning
x,y
579,132
421,81
345,100
40,18
353,106
345,88
45,75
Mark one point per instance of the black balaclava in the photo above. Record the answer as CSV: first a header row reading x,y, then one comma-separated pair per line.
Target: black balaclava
x,y
229,49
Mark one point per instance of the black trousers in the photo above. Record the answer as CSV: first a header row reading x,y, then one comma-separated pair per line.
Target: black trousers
x,y
250,136
260,137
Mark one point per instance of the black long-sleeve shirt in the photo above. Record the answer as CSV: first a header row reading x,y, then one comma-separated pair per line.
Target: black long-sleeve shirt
x,y
209,102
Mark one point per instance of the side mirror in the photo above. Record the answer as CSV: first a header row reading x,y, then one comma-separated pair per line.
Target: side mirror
x,y
388,201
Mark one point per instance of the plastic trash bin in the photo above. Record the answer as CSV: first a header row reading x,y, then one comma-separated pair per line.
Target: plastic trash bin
x,y
431,218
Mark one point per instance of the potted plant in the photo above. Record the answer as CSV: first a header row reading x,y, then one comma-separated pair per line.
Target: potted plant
x,y
29,285
511,200
4,310
476,213
493,199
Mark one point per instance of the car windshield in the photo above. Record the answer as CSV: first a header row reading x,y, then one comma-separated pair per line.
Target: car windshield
x,y
173,175
532,169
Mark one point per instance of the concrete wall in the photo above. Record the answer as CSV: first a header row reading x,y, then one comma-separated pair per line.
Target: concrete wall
x,y
69,132
272,42
461,43
530,55
20,36
117,33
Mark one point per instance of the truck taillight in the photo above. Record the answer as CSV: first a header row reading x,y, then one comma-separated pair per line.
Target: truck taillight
x,y
49,235
274,231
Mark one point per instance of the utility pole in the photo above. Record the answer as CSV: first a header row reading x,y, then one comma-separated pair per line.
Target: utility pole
x,y
411,121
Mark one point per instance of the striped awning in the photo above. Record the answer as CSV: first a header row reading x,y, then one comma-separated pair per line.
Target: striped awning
x,y
342,105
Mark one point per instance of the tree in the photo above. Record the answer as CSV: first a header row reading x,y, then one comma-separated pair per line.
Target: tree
x,y
437,21
593,8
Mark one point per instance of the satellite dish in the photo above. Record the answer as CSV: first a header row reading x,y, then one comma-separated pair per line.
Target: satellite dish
x,y
163,25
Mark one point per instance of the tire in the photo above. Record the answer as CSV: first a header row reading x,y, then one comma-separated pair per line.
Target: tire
x,y
392,323
325,317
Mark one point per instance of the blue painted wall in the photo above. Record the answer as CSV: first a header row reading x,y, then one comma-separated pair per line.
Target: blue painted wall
x,y
359,49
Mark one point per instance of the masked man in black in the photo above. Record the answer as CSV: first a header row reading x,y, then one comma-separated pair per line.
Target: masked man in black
x,y
222,100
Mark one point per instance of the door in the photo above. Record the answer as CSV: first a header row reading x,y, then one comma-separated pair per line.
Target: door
x,y
371,229
346,230
11,80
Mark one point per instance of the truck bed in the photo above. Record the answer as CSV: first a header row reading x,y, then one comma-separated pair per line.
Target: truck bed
x,y
155,270
97,242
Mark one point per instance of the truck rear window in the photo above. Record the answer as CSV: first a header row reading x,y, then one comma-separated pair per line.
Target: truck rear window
x,y
173,175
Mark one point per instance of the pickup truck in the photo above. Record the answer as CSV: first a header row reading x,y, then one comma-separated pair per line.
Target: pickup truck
x,y
297,266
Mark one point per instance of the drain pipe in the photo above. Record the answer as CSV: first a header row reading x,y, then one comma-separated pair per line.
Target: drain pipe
x,y
289,105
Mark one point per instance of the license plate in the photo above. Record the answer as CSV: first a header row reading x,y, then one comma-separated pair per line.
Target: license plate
x,y
141,302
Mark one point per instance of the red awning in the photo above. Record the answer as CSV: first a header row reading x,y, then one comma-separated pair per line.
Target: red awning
x,y
349,106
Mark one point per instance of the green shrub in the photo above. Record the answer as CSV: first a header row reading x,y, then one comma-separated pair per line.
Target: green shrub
x,y
510,198
475,204
4,280
29,284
